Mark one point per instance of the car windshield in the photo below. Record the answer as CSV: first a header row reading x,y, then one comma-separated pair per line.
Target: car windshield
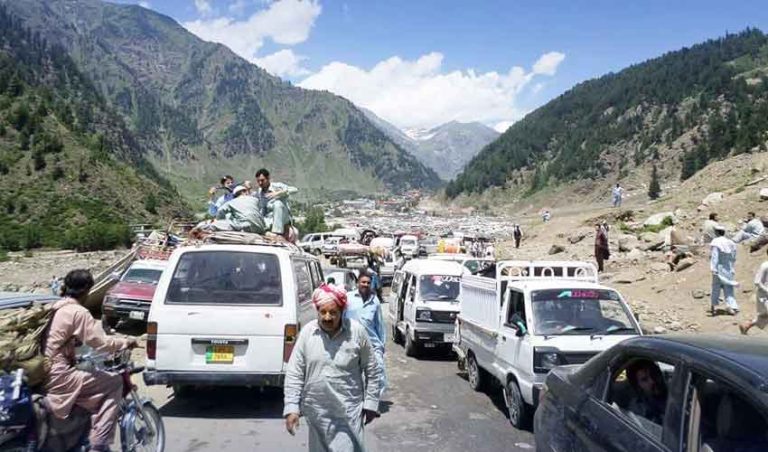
x,y
580,311
439,288
142,275
226,277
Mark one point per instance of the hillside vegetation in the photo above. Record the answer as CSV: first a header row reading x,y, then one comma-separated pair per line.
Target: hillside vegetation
x,y
71,174
204,111
682,110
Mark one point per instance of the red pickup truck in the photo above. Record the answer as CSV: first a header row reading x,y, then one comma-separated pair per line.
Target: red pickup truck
x,y
129,300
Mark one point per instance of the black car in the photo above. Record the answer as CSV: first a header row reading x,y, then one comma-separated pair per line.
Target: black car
x,y
673,393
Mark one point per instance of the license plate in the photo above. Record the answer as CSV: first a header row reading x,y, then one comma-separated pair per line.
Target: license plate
x,y
136,315
429,345
449,337
220,354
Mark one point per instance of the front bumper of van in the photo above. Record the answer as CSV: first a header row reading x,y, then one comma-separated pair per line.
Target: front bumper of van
x,y
155,377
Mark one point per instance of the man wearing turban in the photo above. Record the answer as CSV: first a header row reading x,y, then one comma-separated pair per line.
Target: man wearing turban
x,y
332,379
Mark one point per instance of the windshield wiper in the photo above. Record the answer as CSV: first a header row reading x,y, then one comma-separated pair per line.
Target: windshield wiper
x,y
570,328
614,329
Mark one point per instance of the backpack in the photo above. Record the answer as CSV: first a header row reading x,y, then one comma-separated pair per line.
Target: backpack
x,y
22,333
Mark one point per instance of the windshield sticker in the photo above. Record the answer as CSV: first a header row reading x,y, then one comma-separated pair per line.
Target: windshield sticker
x,y
437,279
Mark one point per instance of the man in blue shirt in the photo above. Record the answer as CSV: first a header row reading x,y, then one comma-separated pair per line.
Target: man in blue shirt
x,y
365,307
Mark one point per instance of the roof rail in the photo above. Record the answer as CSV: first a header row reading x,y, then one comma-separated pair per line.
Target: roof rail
x,y
245,238
546,270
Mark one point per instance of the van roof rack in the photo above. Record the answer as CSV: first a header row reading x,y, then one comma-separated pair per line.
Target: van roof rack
x,y
546,270
244,238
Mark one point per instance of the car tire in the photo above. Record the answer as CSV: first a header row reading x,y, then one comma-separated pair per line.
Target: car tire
x,y
519,411
397,338
411,346
475,374
316,252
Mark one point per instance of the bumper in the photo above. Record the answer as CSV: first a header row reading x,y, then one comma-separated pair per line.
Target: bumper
x,y
433,337
154,377
123,312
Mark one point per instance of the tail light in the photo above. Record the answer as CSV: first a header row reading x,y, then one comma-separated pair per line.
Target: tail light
x,y
289,340
151,340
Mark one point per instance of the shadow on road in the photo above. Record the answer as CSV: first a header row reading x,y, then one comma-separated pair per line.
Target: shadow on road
x,y
226,403
495,392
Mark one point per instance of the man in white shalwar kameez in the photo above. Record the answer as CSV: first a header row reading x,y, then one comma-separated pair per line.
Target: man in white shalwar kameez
x,y
332,379
723,267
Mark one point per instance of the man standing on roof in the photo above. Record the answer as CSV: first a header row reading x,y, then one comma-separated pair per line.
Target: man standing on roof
x,y
273,202
723,266
365,307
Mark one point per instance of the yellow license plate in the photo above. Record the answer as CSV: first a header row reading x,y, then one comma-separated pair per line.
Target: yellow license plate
x,y
220,354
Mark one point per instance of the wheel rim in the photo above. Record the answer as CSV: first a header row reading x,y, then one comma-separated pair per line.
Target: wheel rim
x,y
472,372
513,402
139,438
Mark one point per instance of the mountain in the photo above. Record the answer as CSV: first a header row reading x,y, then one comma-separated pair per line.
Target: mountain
x,y
677,112
204,111
445,148
72,173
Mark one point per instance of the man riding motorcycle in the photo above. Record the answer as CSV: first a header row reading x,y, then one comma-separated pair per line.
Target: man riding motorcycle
x,y
97,392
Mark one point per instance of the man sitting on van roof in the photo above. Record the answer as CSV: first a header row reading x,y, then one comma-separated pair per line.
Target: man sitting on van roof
x,y
273,202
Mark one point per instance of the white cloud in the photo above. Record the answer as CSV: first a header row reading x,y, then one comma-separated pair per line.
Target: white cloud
x,y
145,5
238,6
547,64
203,7
286,22
503,126
420,94
283,63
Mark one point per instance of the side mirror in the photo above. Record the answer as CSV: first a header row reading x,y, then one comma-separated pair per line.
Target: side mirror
x,y
519,332
115,276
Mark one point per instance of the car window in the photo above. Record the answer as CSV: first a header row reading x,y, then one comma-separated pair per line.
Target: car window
x,y
723,419
579,311
303,282
226,277
639,392
516,311
142,275
317,278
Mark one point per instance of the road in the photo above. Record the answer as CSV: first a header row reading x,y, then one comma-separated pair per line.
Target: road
x,y
428,407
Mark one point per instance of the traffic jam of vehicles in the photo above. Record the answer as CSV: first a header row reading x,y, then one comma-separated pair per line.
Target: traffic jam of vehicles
x,y
565,352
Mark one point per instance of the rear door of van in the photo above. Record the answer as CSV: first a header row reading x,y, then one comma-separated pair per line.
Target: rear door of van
x,y
225,310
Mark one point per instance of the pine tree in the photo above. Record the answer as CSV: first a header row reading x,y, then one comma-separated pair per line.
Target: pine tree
x,y
654,189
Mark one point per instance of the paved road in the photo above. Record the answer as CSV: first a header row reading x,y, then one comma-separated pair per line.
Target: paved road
x,y
428,407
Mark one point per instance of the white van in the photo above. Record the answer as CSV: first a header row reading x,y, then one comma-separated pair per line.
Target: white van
x,y
532,317
313,243
409,246
424,304
229,314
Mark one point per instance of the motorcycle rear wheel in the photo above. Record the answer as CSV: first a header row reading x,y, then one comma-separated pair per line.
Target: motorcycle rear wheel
x,y
137,433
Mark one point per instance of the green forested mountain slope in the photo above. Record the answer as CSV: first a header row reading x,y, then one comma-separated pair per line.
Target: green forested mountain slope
x,y
71,173
697,105
204,111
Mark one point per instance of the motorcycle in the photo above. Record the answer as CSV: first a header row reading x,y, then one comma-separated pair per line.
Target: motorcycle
x,y
27,425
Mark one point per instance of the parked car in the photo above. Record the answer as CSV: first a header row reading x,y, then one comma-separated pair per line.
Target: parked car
x,y
313,243
129,300
535,315
661,393
229,314
344,278
424,303
330,246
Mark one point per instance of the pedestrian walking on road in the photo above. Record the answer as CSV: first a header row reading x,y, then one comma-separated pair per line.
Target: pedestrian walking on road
x,y
617,193
602,253
332,378
517,233
761,298
723,266
365,307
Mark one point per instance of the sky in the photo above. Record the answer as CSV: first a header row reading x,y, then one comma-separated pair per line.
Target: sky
x,y
422,63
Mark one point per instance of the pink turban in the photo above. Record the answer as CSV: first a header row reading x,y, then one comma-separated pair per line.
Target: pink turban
x,y
327,293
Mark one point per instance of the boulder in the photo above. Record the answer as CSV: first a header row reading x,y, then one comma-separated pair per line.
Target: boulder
x,y
684,263
698,294
556,249
659,330
764,194
675,326
658,219
576,238
627,243
649,237
635,255
712,199
659,267
654,246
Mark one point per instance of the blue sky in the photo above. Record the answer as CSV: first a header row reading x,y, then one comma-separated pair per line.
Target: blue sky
x,y
421,63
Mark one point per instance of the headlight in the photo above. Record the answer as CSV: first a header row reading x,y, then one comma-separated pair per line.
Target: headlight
x,y
423,315
110,300
546,359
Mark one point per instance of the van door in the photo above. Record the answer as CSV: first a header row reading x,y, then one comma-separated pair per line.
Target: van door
x,y
304,289
510,348
224,310
394,295
408,292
